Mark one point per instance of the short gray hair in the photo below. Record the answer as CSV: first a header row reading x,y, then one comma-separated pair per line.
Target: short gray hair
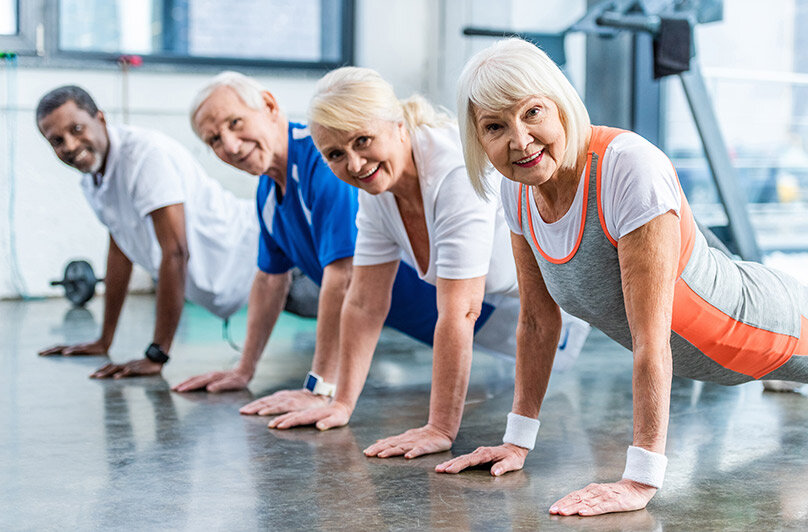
x,y
503,74
249,90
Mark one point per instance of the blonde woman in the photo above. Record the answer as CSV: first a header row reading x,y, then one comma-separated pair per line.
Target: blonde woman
x,y
415,205
600,226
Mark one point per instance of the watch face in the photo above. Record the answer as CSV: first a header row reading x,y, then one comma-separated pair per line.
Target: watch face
x,y
311,382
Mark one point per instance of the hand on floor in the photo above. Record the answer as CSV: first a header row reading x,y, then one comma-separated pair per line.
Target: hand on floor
x,y
413,443
596,499
284,401
324,417
215,381
505,457
133,368
87,348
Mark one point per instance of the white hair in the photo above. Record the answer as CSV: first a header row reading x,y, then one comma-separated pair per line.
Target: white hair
x,y
503,74
249,90
347,98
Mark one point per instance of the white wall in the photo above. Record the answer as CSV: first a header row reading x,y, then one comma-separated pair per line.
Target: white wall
x,y
414,44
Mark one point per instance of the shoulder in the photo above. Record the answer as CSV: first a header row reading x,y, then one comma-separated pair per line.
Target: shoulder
x,y
437,152
631,150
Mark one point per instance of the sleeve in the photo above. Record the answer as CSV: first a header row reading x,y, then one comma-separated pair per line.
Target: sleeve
x,y
156,182
639,184
333,206
271,258
509,191
374,245
463,229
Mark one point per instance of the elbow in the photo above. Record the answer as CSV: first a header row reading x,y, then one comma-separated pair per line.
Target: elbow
x,y
177,254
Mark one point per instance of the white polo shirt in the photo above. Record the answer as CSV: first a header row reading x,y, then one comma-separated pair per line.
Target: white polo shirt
x,y
146,171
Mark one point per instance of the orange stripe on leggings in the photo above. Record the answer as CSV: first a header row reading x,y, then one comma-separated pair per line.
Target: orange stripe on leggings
x,y
734,345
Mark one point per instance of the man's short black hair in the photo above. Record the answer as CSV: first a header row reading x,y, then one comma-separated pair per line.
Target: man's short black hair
x,y
60,96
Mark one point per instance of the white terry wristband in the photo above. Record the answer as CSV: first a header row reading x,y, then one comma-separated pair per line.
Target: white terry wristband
x,y
645,467
521,431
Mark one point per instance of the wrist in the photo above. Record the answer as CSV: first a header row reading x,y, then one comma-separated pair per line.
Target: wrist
x,y
318,386
156,354
645,467
521,431
443,432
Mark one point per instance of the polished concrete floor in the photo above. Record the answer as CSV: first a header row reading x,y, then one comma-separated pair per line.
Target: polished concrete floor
x,y
80,454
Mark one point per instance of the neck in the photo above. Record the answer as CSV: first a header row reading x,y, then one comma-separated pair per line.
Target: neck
x,y
407,188
280,156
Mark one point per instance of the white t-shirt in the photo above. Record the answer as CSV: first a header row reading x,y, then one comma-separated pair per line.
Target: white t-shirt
x,y
638,183
468,236
147,170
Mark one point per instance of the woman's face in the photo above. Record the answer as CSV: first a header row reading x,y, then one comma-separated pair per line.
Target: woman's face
x,y
372,158
526,141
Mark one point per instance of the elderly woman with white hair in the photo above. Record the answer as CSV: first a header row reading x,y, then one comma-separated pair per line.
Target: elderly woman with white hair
x,y
416,205
601,228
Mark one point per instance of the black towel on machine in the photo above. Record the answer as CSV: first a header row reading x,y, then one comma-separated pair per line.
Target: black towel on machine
x,y
672,47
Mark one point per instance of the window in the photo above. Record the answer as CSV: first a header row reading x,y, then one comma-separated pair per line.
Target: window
x,y
260,32
9,24
755,65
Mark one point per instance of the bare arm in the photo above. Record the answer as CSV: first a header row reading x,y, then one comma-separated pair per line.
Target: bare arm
x,y
119,271
336,279
537,337
169,226
648,261
362,318
267,297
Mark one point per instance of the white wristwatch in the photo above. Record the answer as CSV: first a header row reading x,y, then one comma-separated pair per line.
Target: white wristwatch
x,y
316,385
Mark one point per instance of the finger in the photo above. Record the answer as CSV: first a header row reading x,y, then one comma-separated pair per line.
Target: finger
x,y
274,408
428,447
296,419
568,505
253,407
332,421
456,465
190,384
104,371
224,385
125,371
379,446
511,462
55,350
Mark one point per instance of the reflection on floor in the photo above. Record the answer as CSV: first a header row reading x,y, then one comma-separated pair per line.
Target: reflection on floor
x,y
79,454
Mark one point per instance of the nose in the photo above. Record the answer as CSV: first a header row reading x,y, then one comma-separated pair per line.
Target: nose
x,y
230,143
355,162
69,143
520,138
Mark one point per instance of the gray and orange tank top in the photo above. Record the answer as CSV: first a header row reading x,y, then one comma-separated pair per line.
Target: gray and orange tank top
x,y
732,321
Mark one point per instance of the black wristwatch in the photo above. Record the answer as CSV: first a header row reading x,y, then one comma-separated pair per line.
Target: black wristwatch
x,y
156,354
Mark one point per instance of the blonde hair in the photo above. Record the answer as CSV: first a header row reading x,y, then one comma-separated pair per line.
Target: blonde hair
x,y
249,90
347,98
502,75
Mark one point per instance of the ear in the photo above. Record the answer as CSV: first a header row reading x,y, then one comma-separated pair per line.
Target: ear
x,y
270,103
402,131
101,118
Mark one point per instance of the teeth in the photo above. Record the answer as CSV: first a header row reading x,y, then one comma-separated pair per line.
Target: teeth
x,y
370,173
528,159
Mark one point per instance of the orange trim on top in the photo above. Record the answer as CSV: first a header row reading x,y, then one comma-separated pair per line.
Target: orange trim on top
x,y
734,345
602,136
687,233
580,230
519,204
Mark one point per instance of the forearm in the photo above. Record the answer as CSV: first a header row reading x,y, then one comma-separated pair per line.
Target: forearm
x,y
119,271
536,341
454,337
651,386
336,279
170,297
360,327
267,297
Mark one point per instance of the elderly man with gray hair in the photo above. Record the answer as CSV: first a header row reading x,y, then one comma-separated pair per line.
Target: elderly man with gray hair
x,y
307,218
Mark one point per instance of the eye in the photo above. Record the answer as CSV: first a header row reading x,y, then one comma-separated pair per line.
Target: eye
x,y
55,141
533,112
362,141
235,123
334,155
491,127
77,128
213,140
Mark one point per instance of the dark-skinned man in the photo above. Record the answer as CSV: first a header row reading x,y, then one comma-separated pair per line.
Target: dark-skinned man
x,y
163,213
